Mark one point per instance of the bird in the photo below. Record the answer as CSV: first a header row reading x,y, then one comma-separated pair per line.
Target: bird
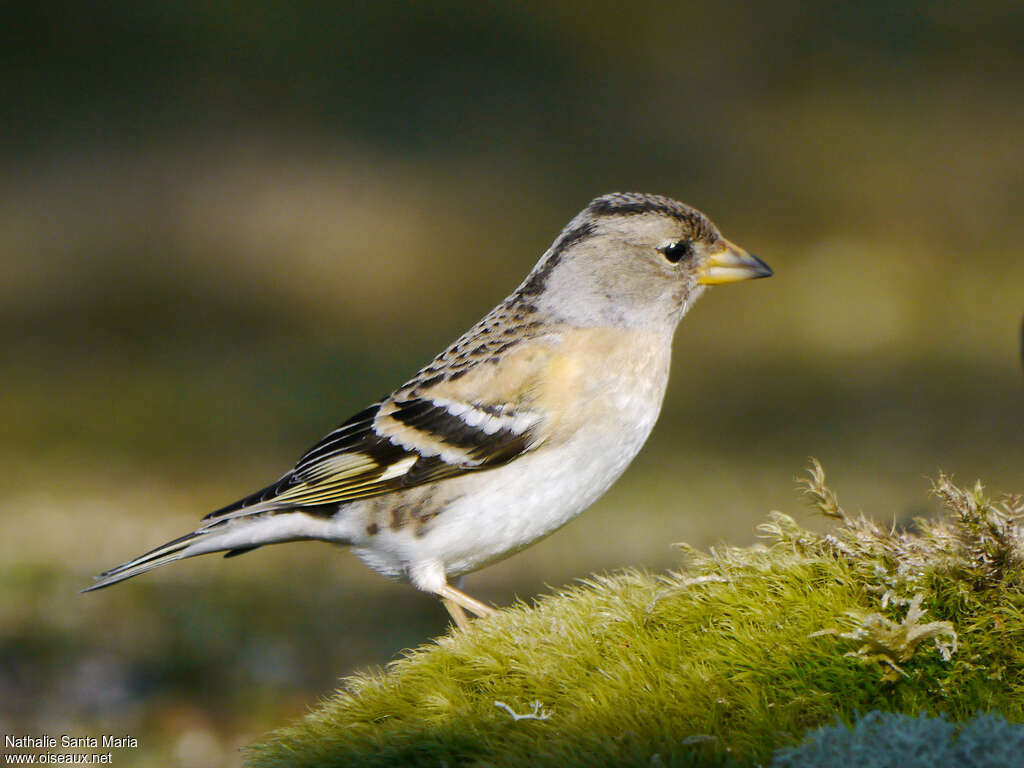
x,y
511,431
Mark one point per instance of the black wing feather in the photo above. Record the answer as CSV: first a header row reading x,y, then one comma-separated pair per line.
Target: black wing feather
x,y
315,487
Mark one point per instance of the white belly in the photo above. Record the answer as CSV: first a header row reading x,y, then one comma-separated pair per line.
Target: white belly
x,y
519,507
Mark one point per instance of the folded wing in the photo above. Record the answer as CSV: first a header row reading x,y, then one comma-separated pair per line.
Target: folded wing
x,y
394,445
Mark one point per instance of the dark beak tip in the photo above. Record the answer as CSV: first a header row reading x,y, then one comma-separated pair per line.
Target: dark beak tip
x,y
763,269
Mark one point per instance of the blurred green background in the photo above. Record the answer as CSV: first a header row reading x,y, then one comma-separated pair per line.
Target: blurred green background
x,y
226,226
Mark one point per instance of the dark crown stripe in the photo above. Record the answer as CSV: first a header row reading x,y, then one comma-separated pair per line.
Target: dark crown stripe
x,y
535,283
635,203
572,237
604,207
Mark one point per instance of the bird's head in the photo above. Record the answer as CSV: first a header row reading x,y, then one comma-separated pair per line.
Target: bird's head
x,y
635,260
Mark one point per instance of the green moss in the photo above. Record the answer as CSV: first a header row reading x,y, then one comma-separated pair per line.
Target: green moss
x,y
720,663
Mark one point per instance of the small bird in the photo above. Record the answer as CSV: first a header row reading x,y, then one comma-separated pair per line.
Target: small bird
x,y
514,429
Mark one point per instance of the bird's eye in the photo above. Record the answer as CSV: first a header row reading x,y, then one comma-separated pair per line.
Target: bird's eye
x,y
678,251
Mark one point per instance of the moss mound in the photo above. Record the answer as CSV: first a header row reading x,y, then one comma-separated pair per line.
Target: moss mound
x,y
721,663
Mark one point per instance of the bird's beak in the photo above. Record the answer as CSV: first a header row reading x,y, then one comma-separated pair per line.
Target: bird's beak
x,y
730,265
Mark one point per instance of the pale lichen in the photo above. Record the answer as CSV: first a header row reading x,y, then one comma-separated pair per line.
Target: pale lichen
x,y
536,713
978,541
888,642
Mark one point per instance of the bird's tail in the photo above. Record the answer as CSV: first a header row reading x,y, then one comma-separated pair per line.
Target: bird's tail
x,y
162,555
233,536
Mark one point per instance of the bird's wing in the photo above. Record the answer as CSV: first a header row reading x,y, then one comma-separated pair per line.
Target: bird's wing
x,y
397,443
434,427
392,445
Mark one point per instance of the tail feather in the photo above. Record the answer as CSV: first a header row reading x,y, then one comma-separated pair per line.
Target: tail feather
x,y
235,537
162,555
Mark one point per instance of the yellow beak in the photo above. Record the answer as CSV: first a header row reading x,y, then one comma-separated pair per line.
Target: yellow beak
x,y
730,265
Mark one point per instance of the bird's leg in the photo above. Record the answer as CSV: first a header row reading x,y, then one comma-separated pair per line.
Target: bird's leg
x,y
458,615
450,594
430,576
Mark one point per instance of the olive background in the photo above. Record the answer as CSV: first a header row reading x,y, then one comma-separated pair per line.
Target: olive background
x,y
225,227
